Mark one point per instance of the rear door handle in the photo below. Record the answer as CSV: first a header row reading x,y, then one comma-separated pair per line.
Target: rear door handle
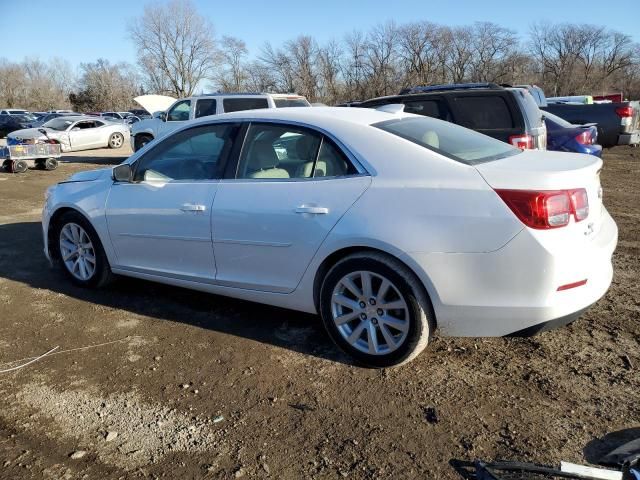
x,y
189,207
312,210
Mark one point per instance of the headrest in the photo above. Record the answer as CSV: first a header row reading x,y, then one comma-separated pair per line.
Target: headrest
x,y
265,154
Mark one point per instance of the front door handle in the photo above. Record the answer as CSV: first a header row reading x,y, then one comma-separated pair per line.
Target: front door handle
x,y
312,210
190,207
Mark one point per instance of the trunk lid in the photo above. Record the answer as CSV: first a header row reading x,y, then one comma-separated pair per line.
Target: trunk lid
x,y
545,170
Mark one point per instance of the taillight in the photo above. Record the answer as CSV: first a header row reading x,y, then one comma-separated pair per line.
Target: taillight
x,y
547,208
525,142
584,138
624,112
579,203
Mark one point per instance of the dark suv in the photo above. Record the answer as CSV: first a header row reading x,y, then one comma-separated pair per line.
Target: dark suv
x,y
506,113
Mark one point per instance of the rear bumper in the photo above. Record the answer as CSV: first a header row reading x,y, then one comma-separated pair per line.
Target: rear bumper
x,y
629,138
515,289
548,325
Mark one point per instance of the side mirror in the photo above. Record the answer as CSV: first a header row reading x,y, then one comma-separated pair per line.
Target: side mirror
x,y
160,115
42,131
122,173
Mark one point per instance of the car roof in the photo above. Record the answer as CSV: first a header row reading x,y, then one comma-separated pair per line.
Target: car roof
x,y
313,116
77,118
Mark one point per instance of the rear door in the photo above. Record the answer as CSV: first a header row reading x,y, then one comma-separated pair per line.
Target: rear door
x,y
291,186
493,113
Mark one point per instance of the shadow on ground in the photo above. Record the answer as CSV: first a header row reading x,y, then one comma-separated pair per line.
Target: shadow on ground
x,y
22,260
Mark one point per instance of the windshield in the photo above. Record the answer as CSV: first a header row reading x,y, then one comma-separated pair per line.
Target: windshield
x,y
452,141
290,102
24,118
59,124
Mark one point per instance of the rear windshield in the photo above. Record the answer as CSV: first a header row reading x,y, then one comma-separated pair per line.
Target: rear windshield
x,y
290,102
557,120
452,141
238,104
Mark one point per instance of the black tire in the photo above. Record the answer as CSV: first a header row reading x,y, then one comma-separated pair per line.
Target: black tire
x,y
116,140
18,166
6,165
40,164
420,312
50,164
141,140
102,274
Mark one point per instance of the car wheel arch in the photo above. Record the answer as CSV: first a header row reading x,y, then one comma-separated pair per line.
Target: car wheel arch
x,y
334,257
53,222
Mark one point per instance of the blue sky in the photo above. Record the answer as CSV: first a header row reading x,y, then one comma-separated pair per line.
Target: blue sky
x,y
84,30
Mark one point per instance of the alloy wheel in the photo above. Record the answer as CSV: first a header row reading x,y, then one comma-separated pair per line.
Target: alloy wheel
x,y
370,313
116,140
77,251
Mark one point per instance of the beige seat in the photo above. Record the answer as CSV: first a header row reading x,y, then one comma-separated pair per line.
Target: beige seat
x,y
306,170
264,157
431,138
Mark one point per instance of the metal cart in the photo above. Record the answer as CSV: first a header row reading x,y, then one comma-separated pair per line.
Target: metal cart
x,y
18,158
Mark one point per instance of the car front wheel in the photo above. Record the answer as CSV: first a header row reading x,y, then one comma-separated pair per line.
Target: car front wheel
x,y
376,310
80,252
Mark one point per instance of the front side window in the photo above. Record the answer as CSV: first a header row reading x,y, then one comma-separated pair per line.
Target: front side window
x,y
287,151
179,112
239,104
206,106
448,139
487,112
195,154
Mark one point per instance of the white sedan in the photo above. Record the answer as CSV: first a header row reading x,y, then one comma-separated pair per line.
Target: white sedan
x,y
387,224
75,133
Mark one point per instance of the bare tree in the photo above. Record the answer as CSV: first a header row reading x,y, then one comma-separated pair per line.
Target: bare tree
x,y
232,77
175,46
106,86
492,45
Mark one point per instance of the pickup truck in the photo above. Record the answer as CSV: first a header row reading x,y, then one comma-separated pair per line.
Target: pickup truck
x,y
169,113
618,123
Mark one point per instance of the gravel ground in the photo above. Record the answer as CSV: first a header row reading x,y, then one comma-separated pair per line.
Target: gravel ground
x,y
180,384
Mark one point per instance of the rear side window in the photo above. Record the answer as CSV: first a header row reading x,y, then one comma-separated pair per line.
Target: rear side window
x,y
484,112
206,106
290,102
239,104
449,139
428,108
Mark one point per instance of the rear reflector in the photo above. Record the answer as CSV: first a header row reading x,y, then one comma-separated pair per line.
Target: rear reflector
x,y
624,112
572,285
524,142
547,209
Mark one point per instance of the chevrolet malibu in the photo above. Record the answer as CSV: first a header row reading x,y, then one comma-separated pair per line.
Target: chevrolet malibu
x,y
387,224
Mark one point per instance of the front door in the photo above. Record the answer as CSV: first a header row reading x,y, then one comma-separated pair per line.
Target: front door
x,y
85,134
291,187
161,222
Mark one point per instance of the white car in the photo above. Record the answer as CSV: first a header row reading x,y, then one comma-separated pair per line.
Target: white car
x,y
390,225
77,132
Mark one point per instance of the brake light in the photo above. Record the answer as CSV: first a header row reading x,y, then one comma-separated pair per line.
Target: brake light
x,y
524,142
584,138
547,208
624,112
579,203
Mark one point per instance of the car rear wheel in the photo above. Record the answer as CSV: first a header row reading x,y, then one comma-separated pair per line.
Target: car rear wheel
x,y
80,252
376,310
116,140
141,140
16,166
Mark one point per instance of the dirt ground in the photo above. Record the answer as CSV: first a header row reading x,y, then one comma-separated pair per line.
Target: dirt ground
x,y
159,382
